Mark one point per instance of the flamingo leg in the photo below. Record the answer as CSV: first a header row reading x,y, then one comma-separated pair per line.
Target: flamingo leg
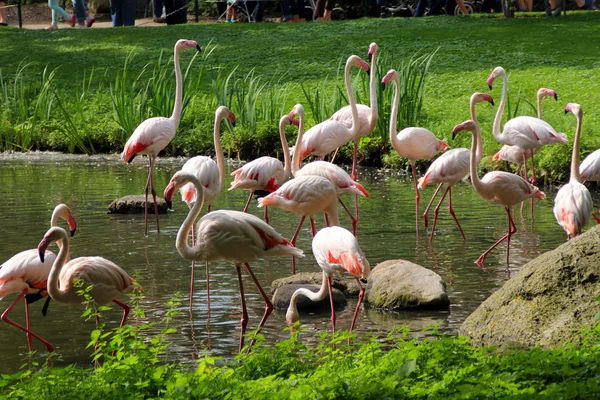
x,y
126,310
451,211
512,228
435,213
152,160
9,321
425,218
146,189
354,220
293,242
361,294
481,258
248,202
313,230
417,197
268,304
331,302
334,155
266,215
208,282
533,180
244,311
525,166
597,218
326,219
192,279
28,322
354,161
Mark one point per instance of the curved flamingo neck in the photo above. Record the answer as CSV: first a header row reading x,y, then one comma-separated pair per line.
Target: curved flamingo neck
x,y
498,119
219,150
354,127
479,153
479,187
298,146
313,296
540,96
373,93
394,116
176,116
181,243
287,160
575,176
53,278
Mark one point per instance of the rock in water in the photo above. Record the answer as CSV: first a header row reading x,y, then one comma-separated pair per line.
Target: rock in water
x,y
400,284
345,283
546,303
283,296
135,204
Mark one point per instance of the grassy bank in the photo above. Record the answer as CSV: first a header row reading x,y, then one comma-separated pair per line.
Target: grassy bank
x,y
64,96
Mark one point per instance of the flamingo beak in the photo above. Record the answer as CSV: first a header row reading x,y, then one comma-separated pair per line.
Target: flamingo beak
x,y
295,122
231,119
198,48
169,193
72,225
382,86
492,101
45,307
370,57
555,96
42,248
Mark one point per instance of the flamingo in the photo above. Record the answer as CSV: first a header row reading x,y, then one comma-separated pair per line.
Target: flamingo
x,y
265,173
513,154
499,187
211,175
573,202
24,273
412,143
337,176
327,136
305,195
107,279
589,170
231,236
451,167
336,250
367,116
527,133
154,134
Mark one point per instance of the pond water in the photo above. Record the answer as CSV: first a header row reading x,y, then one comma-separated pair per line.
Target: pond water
x,y
34,183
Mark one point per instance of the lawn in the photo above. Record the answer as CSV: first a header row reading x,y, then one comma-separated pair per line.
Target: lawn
x,y
536,52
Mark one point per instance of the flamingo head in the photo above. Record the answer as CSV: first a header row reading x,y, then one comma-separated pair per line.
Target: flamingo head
x,y
468,125
547,92
72,224
231,118
64,212
574,108
184,44
54,234
356,61
372,50
482,97
497,156
171,188
295,122
297,110
392,74
497,72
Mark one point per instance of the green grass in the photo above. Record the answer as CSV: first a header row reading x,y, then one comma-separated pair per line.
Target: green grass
x,y
536,52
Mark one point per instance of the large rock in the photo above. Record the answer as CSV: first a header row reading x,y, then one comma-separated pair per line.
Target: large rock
x,y
283,295
547,302
343,282
135,204
400,284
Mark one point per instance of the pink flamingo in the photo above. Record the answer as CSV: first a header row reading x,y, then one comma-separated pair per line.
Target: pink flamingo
x,y
527,133
367,116
24,273
211,175
327,136
336,250
412,143
107,279
451,167
513,154
231,236
154,134
337,176
306,195
590,167
573,202
265,173
499,187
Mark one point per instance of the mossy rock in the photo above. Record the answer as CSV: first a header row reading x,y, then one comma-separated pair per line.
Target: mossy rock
x,y
345,283
283,296
546,303
136,204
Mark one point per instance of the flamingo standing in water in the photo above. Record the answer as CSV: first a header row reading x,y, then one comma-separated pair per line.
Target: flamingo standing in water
x,y
527,133
24,273
154,134
337,176
107,279
327,136
451,167
336,250
573,202
412,143
231,236
500,187
211,175
265,173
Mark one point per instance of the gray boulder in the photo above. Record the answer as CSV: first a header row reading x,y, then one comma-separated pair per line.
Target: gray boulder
x,y
135,204
400,284
283,295
345,283
548,301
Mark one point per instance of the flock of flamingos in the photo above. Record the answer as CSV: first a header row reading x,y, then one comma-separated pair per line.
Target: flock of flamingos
x,y
240,238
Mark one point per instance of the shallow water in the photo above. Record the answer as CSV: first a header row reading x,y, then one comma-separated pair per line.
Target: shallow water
x,y
34,183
